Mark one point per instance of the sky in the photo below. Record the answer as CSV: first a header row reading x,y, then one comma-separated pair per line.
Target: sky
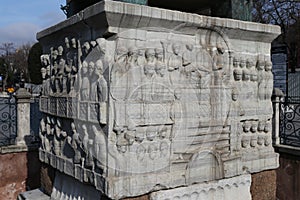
x,y
21,19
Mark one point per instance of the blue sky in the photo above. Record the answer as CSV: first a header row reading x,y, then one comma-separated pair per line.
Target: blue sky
x,y
21,19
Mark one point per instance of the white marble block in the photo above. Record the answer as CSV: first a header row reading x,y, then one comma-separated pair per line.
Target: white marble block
x,y
139,99
226,189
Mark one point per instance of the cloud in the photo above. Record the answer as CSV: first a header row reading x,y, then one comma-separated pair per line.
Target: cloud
x,y
19,33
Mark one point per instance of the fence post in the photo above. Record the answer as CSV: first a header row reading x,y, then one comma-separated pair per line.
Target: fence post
x,y
23,115
276,99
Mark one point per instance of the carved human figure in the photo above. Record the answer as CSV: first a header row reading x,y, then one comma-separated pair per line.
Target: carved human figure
x,y
49,136
141,152
237,74
86,49
246,126
253,72
119,67
149,68
160,67
235,109
153,151
91,69
236,62
118,76
99,85
85,82
59,76
130,137
269,80
218,56
42,133
100,147
260,139
245,141
246,75
253,129
76,144
44,73
59,137
122,144
178,116
261,78
266,138
189,60
60,51
261,126
254,126
149,72
268,127
89,162
141,60
175,65
164,149
246,138
251,85
175,60
134,74
243,63
45,70
67,44
45,89
161,82
86,143
204,64
72,63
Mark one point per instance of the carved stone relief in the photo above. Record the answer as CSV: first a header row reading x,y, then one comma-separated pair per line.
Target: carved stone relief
x,y
148,108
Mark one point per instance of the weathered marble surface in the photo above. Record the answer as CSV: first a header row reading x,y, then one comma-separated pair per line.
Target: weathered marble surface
x,y
225,189
139,99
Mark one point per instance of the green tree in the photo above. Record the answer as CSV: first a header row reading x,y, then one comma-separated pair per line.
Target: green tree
x,y
34,63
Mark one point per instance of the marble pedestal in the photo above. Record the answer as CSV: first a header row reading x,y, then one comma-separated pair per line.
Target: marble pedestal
x,y
140,99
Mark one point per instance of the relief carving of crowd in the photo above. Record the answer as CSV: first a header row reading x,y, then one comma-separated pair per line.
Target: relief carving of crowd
x,y
68,72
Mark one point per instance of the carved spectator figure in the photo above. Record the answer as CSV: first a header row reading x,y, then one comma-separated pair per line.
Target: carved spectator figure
x,y
149,71
59,137
44,85
237,74
42,133
133,74
175,60
49,136
160,66
86,143
100,147
269,80
236,62
261,78
118,74
60,75
76,144
141,58
99,85
149,68
85,82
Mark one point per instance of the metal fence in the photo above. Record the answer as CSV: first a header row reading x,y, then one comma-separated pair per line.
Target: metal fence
x,y
290,121
8,120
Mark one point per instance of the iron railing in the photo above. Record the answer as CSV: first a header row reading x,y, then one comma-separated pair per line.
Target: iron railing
x,y
290,121
8,120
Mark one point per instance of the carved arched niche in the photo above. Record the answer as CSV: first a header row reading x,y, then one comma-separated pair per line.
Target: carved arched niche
x,y
205,165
